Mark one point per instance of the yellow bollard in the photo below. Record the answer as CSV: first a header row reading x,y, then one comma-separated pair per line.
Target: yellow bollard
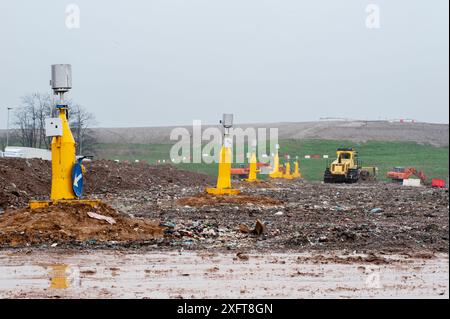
x,y
224,177
276,167
296,173
63,159
287,173
252,174
63,149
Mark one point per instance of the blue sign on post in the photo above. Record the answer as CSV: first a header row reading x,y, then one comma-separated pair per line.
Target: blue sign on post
x,y
77,179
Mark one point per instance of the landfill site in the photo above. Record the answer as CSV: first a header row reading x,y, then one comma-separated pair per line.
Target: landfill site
x,y
156,225
316,165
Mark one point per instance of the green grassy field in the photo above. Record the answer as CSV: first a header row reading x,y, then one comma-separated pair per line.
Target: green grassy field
x,y
434,161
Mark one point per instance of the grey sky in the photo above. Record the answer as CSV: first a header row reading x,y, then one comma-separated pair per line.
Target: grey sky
x,y
167,62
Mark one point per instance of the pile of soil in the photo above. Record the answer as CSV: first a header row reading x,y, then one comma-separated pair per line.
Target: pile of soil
x,y
25,179
64,223
22,179
106,176
205,199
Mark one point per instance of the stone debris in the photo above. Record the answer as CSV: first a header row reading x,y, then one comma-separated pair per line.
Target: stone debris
x,y
362,217
108,219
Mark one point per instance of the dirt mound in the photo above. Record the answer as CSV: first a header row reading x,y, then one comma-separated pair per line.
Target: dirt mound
x,y
205,199
21,179
24,179
65,223
108,176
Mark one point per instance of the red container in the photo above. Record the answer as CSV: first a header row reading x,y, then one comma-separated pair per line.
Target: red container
x,y
435,182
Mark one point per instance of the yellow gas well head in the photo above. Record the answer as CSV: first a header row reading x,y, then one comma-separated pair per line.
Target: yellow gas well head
x,y
296,173
223,186
276,172
253,170
287,173
63,160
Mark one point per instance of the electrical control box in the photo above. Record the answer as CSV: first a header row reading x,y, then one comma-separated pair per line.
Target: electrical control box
x,y
53,127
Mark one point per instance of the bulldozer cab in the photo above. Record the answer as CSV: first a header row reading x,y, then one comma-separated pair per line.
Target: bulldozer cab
x,y
344,155
345,160
345,168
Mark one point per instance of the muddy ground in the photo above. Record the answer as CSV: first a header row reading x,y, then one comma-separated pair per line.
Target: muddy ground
x,y
158,234
307,216
295,215
22,180
202,274
78,224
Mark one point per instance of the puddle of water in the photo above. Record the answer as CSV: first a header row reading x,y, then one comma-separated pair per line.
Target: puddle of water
x,y
168,275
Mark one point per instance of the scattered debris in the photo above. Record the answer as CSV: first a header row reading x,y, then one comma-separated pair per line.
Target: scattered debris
x,y
244,229
148,212
108,219
368,258
204,199
242,256
260,228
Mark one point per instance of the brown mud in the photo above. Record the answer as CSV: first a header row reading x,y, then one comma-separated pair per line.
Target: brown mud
x,y
22,180
300,216
69,223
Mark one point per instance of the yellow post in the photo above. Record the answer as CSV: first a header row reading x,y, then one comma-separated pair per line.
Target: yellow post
x,y
287,174
252,177
63,159
63,148
224,177
296,173
276,167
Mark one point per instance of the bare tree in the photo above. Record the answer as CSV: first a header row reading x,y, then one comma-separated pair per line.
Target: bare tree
x,y
30,122
80,122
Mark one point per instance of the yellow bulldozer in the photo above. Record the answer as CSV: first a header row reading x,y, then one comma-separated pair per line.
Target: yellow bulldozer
x,y
345,168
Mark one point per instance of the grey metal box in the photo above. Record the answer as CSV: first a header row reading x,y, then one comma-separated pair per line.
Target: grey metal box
x,y
227,120
53,126
61,77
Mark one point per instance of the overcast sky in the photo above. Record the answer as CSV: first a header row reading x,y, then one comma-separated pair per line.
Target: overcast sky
x,y
167,62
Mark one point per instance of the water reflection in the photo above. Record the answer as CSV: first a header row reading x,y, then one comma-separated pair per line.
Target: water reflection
x,y
59,277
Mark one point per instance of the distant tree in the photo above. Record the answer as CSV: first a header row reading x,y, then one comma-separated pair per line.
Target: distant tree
x,y
30,120
80,122
29,124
